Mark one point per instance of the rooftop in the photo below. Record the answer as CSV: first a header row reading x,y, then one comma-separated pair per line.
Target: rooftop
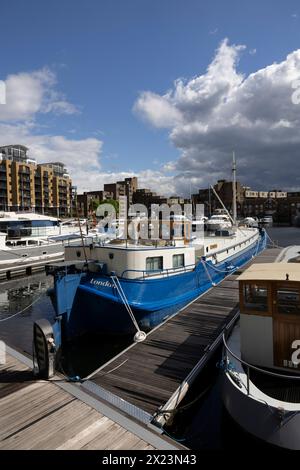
x,y
272,272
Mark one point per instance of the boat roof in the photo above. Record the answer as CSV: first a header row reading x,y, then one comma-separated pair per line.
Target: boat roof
x,y
271,272
21,216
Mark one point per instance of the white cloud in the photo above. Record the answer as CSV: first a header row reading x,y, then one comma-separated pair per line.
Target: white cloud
x,y
29,93
82,157
222,110
157,109
27,96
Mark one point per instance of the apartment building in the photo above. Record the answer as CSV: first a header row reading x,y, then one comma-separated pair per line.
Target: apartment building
x,y
86,202
28,186
249,202
123,188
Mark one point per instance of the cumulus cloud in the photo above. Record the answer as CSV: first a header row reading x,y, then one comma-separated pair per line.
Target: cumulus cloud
x,y
157,109
81,156
29,93
221,110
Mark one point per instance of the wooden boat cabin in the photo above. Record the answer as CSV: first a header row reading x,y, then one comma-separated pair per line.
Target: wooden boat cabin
x,y
270,315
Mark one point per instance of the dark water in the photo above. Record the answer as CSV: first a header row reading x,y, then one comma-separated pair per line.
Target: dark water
x,y
29,296
201,425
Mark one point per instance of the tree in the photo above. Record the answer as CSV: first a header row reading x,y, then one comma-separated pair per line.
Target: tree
x,y
113,202
94,203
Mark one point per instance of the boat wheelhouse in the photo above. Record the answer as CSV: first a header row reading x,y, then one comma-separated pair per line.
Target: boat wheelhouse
x,y
270,314
261,382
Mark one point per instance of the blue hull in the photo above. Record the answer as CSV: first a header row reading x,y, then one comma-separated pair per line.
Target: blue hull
x,y
90,302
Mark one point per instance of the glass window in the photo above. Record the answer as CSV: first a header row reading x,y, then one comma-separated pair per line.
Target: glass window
x,y
154,263
178,261
256,297
21,243
288,300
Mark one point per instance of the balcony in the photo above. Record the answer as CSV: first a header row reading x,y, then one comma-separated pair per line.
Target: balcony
x,y
24,171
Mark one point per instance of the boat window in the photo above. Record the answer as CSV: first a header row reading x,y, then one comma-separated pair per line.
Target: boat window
x,y
32,242
178,261
288,301
256,297
154,263
21,243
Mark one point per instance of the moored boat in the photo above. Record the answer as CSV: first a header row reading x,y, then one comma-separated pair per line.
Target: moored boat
x,y
99,285
220,220
261,357
27,238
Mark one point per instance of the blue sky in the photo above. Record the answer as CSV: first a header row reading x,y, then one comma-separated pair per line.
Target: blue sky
x,y
105,53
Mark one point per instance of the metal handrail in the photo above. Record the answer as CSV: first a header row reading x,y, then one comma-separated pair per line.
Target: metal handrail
x,y
258,369
233,246
154,272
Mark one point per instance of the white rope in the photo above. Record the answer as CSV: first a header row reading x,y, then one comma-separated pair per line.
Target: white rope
x,y
125,301
257,247
207,272
23,310
273,244
228,271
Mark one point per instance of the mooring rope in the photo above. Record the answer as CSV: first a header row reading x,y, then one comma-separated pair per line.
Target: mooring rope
x,y
24,309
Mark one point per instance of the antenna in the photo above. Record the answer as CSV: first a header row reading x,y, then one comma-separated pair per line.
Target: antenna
x,y
234,211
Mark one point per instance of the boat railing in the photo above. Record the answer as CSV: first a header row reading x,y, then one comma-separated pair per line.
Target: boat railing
x,y
230,247
146,273
227,353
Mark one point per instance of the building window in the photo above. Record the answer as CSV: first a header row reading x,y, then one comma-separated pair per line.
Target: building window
x,y
154,263
178,261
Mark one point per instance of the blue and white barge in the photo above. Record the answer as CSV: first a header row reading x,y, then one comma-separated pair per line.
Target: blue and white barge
x,y
100,287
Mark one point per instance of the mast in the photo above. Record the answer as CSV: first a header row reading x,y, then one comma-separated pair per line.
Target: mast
x,y
222,203
234,211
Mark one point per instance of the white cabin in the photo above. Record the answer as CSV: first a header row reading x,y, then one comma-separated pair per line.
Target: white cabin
x,y
270,315
135,261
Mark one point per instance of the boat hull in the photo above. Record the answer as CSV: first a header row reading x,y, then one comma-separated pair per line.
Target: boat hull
x,y
260,420
97,305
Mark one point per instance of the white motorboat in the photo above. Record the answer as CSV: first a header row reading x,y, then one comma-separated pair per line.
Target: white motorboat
x,y
261,357
28,238
250,222
220,220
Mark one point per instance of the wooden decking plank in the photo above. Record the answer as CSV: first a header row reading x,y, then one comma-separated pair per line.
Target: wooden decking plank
x,y
44,416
